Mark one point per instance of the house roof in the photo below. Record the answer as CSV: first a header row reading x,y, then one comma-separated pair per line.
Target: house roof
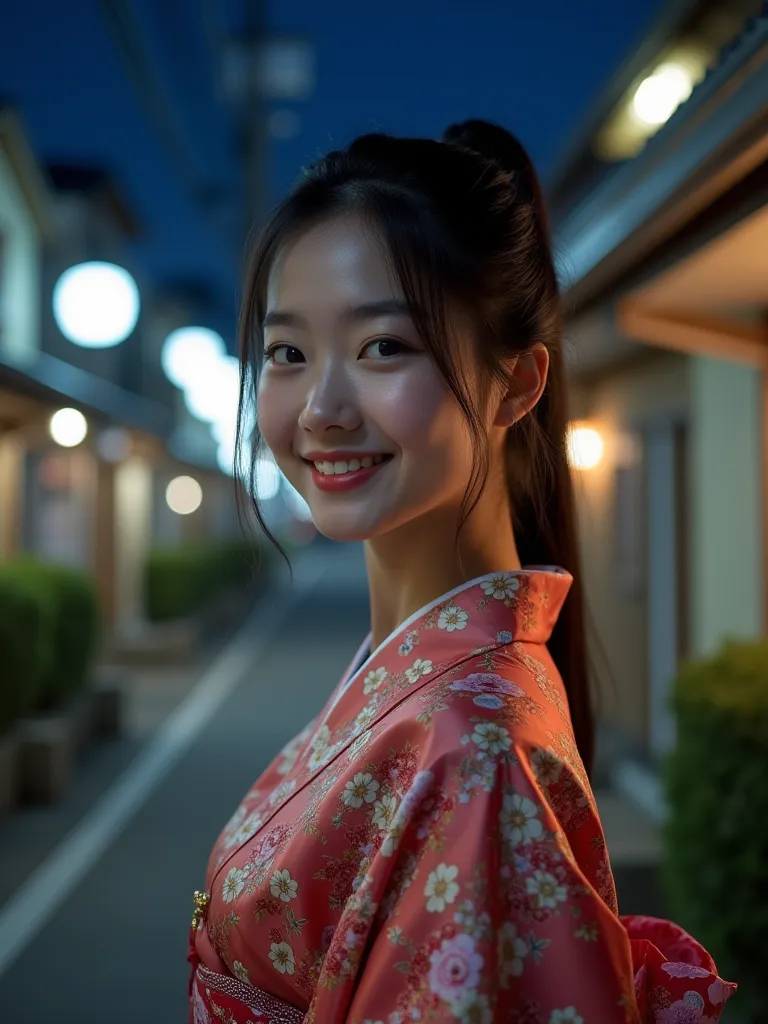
x,y
725,120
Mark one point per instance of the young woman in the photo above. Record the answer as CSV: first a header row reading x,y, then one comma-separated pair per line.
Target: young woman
x,y
429,848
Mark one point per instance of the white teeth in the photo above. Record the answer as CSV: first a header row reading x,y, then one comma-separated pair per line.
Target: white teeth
x,y
335,468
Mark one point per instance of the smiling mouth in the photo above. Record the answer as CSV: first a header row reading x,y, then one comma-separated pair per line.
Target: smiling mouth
x,y
346,466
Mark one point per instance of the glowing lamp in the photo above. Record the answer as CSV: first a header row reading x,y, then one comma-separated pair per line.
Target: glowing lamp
x,y
659,95
184,495
68,428
190,355
96,305
584,446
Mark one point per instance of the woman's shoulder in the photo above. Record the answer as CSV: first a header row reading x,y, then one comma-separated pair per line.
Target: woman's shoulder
x,y
514,693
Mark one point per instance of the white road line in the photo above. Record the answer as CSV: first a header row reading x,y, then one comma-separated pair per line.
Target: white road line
x,y
38,899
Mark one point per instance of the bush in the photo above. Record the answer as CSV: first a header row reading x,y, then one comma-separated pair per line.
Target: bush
x,y
178,582
76,626
716,840
27,613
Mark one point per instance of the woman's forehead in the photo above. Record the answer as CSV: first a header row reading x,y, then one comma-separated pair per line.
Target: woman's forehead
x,y
341,261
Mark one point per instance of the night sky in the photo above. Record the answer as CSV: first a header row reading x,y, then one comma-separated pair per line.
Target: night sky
x,y
405,66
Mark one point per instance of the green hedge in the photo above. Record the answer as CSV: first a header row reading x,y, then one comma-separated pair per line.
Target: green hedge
x,y
49,627
716,840
180,581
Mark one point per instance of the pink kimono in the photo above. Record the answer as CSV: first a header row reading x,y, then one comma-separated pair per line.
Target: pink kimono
x,y
429,850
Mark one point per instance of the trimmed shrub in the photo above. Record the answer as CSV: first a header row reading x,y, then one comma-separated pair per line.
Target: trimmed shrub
x,y
180,581
715,868
27,613
76,627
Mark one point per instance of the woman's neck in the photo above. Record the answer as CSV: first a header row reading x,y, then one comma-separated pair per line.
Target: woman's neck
x,y
417,563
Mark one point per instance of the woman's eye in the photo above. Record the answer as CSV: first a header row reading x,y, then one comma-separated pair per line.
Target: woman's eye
x,y
382,348
283,355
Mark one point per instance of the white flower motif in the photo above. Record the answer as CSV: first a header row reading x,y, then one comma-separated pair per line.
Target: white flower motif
x,y
374,679
384,812
392,839
361,788
566,1016
519,824
546,765
233,885
283,790
283,887
441,887
455,969
491,737
249,828
452,618
504,585
418,669
365,717
546,888
512,951
241,972
472,1009
282,957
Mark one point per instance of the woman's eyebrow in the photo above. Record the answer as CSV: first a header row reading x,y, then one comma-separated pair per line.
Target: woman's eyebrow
x,y
352,314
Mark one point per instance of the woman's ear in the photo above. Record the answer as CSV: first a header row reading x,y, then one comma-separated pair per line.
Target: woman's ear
x,y
528,378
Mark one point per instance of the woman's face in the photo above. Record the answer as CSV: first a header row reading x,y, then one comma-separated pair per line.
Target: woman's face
x,y
350,403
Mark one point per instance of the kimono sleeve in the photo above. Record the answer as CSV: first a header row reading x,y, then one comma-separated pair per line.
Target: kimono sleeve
x,y
484,915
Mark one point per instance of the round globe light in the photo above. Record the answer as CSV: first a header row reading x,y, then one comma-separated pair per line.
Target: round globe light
x,y
184,495
659,95
96,305
189,354
68,428
584,446
214,396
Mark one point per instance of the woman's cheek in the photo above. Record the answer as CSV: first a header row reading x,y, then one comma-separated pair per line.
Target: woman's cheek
x,y
276,423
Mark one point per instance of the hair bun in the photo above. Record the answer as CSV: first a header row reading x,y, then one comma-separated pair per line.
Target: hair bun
x,y
492,142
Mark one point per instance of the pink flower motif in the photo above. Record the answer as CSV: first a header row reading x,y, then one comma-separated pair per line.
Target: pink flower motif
x,y
486,682
455,968
679,970
682,1012
719,992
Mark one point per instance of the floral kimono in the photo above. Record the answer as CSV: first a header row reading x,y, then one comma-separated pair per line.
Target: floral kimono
x,y
429,850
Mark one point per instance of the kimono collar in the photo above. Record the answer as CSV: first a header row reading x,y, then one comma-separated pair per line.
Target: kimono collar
x,y
499,608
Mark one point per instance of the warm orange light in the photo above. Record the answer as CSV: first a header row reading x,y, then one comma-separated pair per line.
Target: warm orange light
x,y
584,446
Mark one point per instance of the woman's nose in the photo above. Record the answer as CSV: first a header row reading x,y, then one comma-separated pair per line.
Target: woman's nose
x,y
329,404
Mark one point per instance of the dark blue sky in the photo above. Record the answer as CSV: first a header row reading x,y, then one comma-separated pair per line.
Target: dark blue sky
x,y
400,66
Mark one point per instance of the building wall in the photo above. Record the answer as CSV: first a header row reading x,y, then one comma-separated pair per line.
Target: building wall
x,y
726,503
19,270
622,405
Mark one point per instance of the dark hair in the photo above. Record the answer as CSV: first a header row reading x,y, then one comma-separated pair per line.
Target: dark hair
x,y
463,222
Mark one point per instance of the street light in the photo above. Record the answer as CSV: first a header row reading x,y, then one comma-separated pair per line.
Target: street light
x,y
68,428
184,495
189,354
584,446
96,305
659,95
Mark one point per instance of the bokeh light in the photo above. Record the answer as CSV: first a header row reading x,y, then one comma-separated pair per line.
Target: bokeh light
x,y
68,428
96,305
584,446
184,495
659,95
190,354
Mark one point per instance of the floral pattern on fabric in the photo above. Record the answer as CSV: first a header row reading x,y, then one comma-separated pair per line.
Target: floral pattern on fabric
x,y
430,850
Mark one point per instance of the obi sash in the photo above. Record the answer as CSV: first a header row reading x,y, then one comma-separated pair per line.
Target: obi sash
x,y
217,997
